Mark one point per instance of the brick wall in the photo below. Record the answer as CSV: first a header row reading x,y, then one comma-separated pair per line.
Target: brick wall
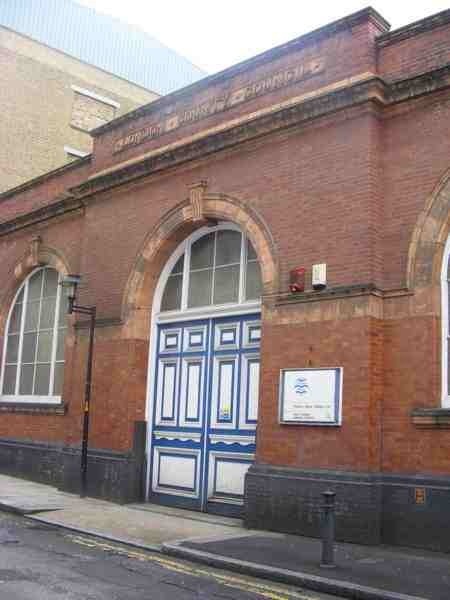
x,y
89,113
401,53
37,104
346,52
348,189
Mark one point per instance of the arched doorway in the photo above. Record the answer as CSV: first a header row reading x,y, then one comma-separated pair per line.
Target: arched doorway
x,y
203,398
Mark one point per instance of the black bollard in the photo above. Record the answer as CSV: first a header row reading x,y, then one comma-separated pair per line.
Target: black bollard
x,y
328,519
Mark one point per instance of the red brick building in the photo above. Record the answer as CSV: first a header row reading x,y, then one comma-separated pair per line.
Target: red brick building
x,y
185,223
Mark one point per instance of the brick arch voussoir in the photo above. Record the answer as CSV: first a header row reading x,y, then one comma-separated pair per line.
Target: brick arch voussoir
x,y
169,232
429,237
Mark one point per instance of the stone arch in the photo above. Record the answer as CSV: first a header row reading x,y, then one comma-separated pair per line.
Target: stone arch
x,y
171,230
36,255
429,238
424,273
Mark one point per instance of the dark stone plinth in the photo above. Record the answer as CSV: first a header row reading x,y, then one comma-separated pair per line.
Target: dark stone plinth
x,y
409,522
289,500
408,510
114,476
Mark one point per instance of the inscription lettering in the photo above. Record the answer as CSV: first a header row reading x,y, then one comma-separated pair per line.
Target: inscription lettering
x,y
220,103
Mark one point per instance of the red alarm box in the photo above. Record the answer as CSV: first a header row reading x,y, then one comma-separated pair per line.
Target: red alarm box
x,y
297,280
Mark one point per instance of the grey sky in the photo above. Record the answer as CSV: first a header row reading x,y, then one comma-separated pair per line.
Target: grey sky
x,y
215,35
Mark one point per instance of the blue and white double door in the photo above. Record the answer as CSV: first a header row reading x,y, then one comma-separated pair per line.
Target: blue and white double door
x,y
205,412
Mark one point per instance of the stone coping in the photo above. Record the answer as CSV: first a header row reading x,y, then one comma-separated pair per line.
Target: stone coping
x,y
431,418
33,408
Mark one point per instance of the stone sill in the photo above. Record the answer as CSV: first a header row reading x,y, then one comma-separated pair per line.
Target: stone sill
x,y
29,408
431,418
337,292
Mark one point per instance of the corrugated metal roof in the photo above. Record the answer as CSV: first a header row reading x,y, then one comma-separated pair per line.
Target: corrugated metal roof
x,y
102,41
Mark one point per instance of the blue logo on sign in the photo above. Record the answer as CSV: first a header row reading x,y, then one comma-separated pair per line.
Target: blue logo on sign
x,y
301,385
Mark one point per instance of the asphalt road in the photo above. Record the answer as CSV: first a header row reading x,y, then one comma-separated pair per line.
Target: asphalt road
x,y
39,562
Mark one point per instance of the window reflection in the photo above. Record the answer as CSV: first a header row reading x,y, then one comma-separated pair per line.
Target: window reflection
x,y
223,269
36,338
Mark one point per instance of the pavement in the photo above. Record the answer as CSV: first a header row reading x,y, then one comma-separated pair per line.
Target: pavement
x,y
41,562
361,572
141,525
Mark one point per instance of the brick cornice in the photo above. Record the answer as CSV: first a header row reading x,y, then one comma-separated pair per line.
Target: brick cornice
x,y
367,90
419,85
203,144
45,177
68,203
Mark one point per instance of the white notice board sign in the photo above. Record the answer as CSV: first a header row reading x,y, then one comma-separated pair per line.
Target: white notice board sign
x,y
311,396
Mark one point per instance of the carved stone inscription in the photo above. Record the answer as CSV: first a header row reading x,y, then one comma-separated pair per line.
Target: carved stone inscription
x,y
218,104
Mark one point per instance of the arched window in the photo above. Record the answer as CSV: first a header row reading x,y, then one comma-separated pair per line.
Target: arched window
x,y
445,290
216,266
33,353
